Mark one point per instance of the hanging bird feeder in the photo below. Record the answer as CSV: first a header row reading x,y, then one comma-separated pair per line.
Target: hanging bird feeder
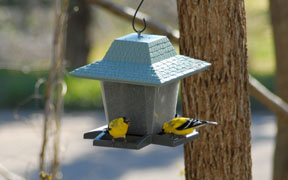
x,y
140,77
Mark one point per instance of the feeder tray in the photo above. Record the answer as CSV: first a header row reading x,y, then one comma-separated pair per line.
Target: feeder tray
x,y
102,138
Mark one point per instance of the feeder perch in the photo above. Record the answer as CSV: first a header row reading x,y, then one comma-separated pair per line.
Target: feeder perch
x,y
140,80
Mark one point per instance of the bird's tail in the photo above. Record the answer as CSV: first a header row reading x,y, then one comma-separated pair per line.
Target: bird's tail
x,y
211,122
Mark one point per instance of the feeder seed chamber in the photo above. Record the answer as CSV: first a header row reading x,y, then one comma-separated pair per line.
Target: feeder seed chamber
x,y
140,77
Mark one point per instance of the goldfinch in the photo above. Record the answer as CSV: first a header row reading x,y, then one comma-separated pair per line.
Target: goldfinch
x,y
118,128
183,125
45,176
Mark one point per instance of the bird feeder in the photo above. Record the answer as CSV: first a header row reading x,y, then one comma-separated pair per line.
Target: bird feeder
x,y
140,80
140,77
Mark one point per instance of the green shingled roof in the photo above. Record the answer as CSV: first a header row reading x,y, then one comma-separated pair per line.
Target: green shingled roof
x,y
150,60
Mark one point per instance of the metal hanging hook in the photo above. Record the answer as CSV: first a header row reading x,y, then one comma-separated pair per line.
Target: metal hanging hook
x,y
133,22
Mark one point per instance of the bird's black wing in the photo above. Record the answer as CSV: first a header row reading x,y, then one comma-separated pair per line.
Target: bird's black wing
x,y
185,125
107,130
191,123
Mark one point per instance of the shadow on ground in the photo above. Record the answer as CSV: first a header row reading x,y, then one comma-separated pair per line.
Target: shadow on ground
x,y
82,161
111,164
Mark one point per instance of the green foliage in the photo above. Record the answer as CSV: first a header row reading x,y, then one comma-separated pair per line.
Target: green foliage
x,y
268,80
260,38
260,46
21,3
83,93
12,2
17,86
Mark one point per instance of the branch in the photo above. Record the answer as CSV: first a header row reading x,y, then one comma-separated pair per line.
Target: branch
x,y
257,90
55,75
36,96
8,174
128,13
270,100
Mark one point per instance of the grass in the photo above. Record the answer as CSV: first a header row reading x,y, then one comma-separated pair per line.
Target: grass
x,y
82,93
17,86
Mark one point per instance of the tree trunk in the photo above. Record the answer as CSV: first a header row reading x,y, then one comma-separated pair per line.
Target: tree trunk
x,y
215,31
77,43
279,16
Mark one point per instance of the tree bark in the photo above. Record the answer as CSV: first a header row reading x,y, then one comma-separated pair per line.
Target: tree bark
x,y
215,31
279,16
77,41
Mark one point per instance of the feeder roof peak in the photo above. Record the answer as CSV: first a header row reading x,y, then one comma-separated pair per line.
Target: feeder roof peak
x,y
144,38
147,60
146,49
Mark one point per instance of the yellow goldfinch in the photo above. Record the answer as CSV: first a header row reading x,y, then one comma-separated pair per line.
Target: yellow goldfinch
x,y
118,128
45,176
183,125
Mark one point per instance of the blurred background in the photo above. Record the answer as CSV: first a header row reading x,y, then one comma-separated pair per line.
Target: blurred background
x,y
26,29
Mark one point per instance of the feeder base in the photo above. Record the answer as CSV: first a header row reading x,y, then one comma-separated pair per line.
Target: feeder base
x,y
102,138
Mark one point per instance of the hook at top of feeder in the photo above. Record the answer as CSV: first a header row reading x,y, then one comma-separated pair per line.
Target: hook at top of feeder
x,y
133,21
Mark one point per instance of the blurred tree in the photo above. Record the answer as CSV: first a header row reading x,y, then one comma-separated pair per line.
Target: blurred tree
x,y
12,2
216,32
279,15
77,40
22,3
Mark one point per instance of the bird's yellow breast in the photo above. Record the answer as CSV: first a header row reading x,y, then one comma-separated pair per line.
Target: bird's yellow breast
x,y
118,128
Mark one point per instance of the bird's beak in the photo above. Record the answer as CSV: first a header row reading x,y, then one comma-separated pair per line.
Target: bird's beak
x,y
129,123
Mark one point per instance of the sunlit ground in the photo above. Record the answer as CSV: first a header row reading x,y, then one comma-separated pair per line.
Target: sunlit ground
x,y
20,144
